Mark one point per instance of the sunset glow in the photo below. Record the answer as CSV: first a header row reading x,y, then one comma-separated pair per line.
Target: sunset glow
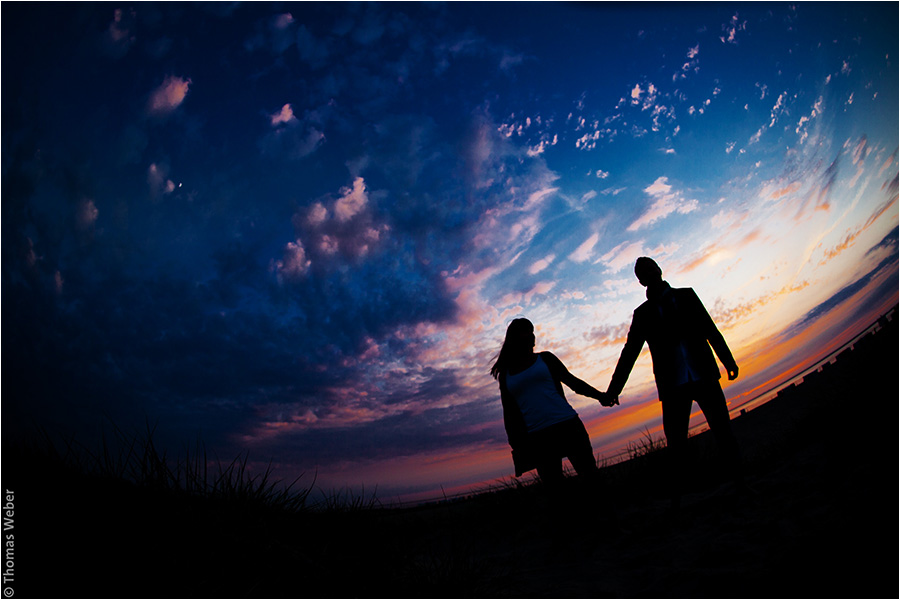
x,y
300,230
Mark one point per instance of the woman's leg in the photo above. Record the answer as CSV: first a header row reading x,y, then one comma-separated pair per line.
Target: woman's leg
x,y
550,470
548,457
578,448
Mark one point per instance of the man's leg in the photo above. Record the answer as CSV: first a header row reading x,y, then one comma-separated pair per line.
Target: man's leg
x,y
711,400
676,409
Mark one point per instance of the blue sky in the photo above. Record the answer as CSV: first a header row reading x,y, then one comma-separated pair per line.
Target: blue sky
x,y
301,229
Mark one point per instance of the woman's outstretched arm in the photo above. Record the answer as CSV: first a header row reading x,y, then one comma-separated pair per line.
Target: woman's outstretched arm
x,y
561,374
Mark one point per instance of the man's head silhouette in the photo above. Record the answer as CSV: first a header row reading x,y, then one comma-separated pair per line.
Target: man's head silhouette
x,y
647,271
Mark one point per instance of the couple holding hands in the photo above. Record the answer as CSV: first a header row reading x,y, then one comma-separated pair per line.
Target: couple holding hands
x,y
542,427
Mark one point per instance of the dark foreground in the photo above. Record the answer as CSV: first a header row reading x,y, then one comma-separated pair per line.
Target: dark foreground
x,y
822,461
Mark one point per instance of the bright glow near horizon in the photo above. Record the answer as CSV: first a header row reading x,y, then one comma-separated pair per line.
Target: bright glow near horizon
x,y
315,256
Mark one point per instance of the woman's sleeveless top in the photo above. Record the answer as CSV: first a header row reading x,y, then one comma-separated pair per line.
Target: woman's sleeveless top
x,y
536,394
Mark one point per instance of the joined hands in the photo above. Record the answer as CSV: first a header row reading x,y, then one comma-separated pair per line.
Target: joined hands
x,y
607,399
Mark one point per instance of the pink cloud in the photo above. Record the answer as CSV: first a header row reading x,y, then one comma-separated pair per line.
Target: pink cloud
x,y
284,116
168,96
542,264
295,262
334,229
583,252
352,201
157,178
283,20
317,214
539,289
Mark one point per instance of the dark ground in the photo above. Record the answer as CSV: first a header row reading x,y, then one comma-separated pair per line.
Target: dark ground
x,y
822,460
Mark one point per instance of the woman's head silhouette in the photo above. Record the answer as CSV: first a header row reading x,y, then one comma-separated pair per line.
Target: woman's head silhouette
x,y
519,340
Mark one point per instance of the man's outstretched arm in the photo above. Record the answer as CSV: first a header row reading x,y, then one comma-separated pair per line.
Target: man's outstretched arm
x,y
630,353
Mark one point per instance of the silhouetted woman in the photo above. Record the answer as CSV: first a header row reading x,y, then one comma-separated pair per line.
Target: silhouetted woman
x,y
542,427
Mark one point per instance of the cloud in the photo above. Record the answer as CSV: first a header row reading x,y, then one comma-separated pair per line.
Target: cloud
x,y
295,262
540,289
665,202
861,150
334,229
87,214
542,264
284,116
626,253
157,178
623,255
731,30
636,94
282,21
291,137
352,201
645,97
692,65
804,122
542,145
168,96
887,163
119,36
585,250
726,316
853,234
777,110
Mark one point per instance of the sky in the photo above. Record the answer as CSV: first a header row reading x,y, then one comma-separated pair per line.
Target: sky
x,y
300,230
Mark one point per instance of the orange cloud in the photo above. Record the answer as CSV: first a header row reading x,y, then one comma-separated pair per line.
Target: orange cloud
x,y
726,317
284,116
719,251
168,96
851,236
786,190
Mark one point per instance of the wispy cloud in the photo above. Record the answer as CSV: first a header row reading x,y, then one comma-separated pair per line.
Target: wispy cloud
x,y
850,237
665,201
585,250
626,253
542,264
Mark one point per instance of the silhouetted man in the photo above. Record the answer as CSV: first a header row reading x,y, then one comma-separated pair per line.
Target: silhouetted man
x,y
679,332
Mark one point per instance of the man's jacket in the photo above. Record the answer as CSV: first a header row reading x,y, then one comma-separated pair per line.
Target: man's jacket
x,y
679,332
